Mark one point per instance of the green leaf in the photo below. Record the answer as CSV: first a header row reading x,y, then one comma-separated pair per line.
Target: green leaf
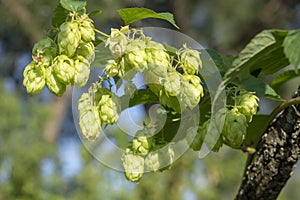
x,y
284,77
223,63
95,12
256,129
102,55
143,96
291,46
130,15
263,55
73,5
59,16
250,83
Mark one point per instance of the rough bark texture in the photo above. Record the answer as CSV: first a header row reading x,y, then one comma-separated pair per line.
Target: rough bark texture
x,y
276,157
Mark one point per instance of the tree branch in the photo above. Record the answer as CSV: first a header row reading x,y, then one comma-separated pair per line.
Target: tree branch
x,y
276,157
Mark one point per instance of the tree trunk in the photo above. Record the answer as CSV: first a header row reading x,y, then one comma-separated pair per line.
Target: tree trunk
x,y
276,157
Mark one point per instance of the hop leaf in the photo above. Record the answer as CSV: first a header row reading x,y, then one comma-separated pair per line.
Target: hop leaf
x,y
234,128
82,68
247,104
34,78
68,38
54,84
64,69
133,166
160,159
108,110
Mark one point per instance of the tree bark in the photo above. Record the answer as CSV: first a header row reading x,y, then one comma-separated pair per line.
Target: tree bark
x,y
277,155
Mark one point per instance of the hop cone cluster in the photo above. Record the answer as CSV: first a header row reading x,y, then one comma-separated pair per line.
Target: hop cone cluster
x,y
63,59
145,153
178,85
97,106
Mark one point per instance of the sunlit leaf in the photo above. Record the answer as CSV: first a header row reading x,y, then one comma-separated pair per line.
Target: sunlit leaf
x,y
284,77
292,47
73,5
263,55
130,15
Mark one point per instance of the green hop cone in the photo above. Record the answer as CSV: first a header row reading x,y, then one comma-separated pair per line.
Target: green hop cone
x,y
235,128
54,84
190,60
112,69
172,83
191,91
44,51
247,104
82,68
89,119
68,38
64,69
133,166
84,101
195,137
160,159
87,50
108,109
86,28
34,78
211,135
136,56
142,144
117,41
158,59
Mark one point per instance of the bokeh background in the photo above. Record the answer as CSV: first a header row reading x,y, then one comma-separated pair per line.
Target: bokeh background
x,y
41,156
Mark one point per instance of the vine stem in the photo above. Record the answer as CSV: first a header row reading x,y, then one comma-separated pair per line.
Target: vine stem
x,y
272,116
101,33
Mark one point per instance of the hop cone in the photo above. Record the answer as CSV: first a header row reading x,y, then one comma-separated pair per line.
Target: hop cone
x,y
133,166
54,84
82,68
136,56
64,69
190,60
117,41
158,59
87,29
44,51
34,78
108,110
112,69
172,84
68,38
142,144
89,119
195,138
192,90
234,128
86,50
84,101
160,159
247,104
212,135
